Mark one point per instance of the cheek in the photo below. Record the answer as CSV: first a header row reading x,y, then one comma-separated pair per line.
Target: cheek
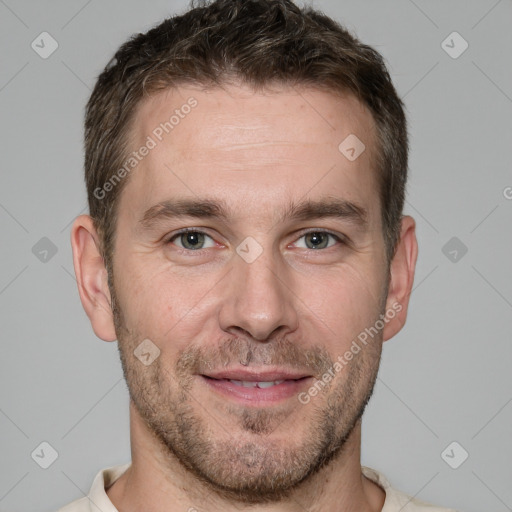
x,y
137,292
346,301
159,304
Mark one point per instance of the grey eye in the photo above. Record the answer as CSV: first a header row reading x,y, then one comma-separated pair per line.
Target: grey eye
x,y
192,240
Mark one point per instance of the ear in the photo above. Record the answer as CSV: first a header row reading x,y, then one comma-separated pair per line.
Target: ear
x,y
401,278
91,277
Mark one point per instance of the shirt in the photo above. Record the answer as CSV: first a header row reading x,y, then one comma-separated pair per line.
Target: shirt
x,y
395,501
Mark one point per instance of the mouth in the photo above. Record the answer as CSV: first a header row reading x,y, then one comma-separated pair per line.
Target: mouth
x,y
257,388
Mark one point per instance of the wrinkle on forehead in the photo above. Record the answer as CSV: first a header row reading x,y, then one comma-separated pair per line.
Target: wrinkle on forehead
x,y
279,142
242,115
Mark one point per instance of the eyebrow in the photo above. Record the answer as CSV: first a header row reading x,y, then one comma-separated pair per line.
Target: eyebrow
x,y
214,209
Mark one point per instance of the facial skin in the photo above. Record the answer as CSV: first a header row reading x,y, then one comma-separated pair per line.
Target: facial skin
x,y
292,311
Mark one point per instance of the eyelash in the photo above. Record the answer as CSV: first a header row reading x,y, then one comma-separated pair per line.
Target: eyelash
x,y
200,251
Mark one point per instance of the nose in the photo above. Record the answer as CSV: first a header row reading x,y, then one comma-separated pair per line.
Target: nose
x,y
258,299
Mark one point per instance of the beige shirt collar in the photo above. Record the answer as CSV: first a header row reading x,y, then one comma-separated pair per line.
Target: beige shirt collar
x,y
98,501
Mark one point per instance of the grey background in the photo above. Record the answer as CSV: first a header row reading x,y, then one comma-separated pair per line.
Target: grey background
x,y
446,377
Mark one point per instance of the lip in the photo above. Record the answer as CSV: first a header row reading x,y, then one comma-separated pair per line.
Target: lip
x,y
293,383
256,375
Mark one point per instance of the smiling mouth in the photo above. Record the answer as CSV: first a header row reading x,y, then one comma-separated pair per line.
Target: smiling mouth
x,y
261,385
256,390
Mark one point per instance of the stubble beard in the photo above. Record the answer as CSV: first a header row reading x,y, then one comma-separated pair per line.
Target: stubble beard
x,y
248,467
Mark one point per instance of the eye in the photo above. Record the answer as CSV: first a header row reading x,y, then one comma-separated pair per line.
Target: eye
x,y
195,240
191,239
319,239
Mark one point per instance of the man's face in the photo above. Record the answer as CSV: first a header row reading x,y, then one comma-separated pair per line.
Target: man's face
x,y
258,295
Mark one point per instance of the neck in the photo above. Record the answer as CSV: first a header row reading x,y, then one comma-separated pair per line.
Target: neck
x,y
157,482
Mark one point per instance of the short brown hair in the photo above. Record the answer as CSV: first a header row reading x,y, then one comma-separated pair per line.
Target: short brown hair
x,y
258,42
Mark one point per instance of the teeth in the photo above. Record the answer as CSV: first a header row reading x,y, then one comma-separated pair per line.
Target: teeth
x,y
264,385
251,384
244,384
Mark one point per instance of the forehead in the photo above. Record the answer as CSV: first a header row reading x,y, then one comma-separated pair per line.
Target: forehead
x,y
253,149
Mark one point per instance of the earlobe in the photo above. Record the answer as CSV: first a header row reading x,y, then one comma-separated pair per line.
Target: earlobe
x,y
401,278
91,277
